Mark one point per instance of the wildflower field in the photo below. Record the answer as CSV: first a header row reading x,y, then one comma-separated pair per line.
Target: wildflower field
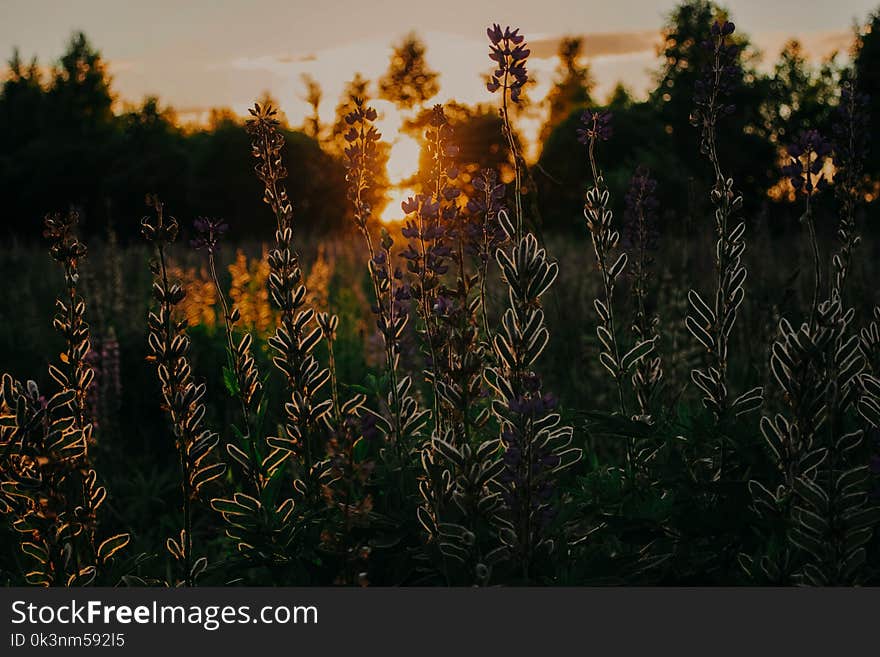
x,y
643,351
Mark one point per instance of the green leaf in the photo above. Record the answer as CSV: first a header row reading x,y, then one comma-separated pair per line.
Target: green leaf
x,y
229,381
207,474
112,545
38,552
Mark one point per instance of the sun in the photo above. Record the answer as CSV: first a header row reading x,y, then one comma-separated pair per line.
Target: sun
x,y
403,162
393,211
403,158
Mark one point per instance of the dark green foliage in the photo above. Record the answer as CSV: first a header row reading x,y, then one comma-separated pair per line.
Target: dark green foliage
x,y
102,163
867,73
392,424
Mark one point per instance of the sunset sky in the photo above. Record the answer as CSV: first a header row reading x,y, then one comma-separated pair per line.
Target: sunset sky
x,y
201,53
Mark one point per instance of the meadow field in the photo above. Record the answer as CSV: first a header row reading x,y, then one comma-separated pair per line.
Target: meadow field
x,y
646,352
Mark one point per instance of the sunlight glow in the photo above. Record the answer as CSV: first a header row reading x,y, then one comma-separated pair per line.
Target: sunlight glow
x,y
403,163
393,211
403,157
403,160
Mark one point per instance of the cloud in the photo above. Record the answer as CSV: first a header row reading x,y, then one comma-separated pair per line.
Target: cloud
x,y
627,56
817,45
601,44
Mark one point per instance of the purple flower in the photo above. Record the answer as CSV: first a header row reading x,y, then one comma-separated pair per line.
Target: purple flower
x,y
529,461
640,213
60,231
596,126
409,206
483,230
807,157
720,77
361,154
208,234
507,49
442,306
410,231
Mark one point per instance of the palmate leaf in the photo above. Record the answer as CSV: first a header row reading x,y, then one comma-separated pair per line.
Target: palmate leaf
x,y
541,283
860,518
449,452
240,456
111,546
810,461
618,266
230,381
853,563
605,338
869,409
608,362
810,521
198,567
852,480
505,351
762,497
813,576
453,551
568,458
849,441
701,308
812,494
707,384
749,401
229,507
38,577
284,444
207,474
507,225
637,353
37,552
84,577
700,333
536,346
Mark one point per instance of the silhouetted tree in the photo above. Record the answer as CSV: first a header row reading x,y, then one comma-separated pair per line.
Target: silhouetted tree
x,y
22,144
619,97
866,68
150,155
312,123
799,96
21,103
409,82
572,85
751,158
80,93
638,138
61,142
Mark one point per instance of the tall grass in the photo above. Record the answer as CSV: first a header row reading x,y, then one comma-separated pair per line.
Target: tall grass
x,y
305,456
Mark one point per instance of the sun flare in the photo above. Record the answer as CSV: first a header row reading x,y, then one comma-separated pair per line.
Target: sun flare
x,y
393,211
403,158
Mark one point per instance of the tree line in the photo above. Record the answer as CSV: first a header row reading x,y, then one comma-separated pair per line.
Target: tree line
x,y
64,142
